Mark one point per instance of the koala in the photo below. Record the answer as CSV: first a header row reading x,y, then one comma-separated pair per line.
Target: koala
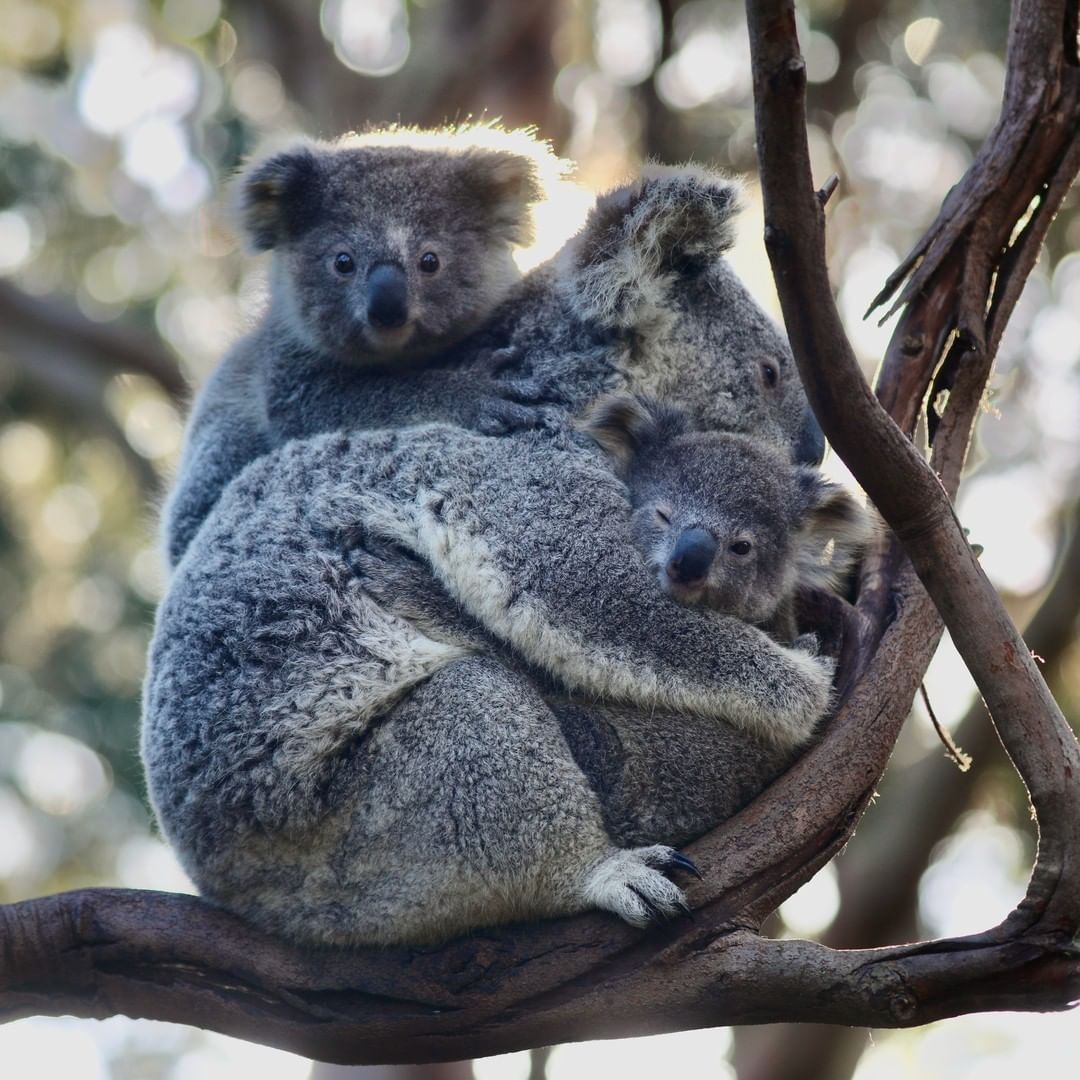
x,y
386,248
339,773
723,520
275,673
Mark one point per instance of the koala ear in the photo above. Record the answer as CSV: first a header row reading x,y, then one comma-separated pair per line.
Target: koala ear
x,y
624,425
506,185
834,530
671,222
280,197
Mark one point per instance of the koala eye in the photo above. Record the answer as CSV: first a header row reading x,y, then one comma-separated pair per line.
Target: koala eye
x,y
770,373
343,263
741,547
429,262
664,518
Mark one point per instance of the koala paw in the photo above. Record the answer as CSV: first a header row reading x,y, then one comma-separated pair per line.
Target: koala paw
x,y
632,885
498,417
513,403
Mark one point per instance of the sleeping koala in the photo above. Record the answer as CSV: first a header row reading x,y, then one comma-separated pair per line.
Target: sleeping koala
x,y
387,248
723,520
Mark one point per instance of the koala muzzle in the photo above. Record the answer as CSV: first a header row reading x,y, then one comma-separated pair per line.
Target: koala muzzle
x,y
693,555
387,297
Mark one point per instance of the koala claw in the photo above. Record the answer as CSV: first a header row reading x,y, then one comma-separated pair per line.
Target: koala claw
x,y
631,884
679,861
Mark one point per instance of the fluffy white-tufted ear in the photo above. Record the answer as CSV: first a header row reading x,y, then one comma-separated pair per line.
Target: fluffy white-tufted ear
x,y
671,222
279,197
834,531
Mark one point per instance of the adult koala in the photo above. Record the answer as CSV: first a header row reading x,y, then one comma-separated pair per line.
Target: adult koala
x,y
464,804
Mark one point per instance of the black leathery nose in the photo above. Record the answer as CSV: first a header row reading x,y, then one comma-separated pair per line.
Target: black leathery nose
x,y
693,555
388,305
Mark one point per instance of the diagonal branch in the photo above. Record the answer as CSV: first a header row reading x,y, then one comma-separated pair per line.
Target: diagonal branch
x,y
901,484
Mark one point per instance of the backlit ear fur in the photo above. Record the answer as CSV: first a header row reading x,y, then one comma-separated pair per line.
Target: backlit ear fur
x,y
505,172
640,237
624,425
279,197
506,186
833,533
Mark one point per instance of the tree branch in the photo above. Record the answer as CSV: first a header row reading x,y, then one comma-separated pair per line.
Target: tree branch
x,y
50,332
898,480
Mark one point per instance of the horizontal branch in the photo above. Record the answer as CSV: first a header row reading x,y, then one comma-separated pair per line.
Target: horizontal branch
x,y
51,331
176,958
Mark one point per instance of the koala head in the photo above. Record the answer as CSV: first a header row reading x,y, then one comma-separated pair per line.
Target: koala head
x,y
722,519
395,243
648,265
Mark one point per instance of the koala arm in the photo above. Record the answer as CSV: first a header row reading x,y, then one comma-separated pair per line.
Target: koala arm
x,y
481,395
539,553
226,431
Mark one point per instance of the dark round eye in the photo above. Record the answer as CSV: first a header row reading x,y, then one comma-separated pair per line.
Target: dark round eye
x,y
741,547
343,263
662,516
770,374
429,262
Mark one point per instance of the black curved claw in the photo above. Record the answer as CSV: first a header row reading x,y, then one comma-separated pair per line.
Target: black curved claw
x,y
685,908
655,914
684,862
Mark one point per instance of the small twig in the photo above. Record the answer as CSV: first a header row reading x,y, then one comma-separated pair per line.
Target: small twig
x,y
826,190
963,761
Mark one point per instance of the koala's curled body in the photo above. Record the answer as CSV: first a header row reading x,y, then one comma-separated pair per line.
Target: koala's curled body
x,y
274,694
316,781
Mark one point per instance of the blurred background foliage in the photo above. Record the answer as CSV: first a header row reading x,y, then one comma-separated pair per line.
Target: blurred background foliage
x,y
121,284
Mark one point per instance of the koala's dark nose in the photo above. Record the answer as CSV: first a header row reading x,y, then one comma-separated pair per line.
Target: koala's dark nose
x,y
810,444
693,555
388,306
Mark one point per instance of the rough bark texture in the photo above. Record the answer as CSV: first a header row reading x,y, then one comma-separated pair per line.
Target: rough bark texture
x,y
100,952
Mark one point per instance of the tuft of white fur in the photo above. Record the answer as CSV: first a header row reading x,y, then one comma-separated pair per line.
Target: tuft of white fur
x,y
333,697
822,555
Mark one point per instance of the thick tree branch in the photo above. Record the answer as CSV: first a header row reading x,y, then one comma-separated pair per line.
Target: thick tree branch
x,y
885,462
51,333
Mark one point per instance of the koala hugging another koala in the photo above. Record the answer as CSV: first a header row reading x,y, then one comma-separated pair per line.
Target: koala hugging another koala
x,y
417,672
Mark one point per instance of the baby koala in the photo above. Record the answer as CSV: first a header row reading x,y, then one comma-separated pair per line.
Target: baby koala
x,y
394,244
386,249
724,521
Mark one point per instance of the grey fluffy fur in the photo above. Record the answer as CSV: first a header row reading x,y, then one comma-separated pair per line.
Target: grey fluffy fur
x,y
339,771
384,200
